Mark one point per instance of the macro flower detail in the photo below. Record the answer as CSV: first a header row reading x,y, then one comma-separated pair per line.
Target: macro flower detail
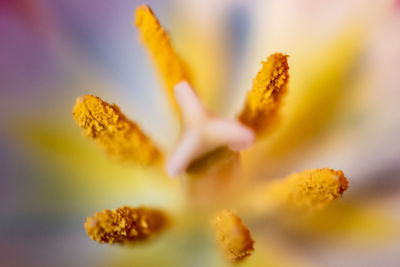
x,y
207,156
233,236
200,133
125,224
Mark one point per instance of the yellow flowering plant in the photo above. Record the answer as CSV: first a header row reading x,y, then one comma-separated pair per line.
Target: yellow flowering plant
x,y
207,157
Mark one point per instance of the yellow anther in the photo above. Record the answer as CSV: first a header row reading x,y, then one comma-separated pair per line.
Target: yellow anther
x,y
171,67
120,137
125,225
264,99
233,236
309,190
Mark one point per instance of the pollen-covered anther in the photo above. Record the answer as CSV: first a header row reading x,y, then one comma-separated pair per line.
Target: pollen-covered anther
x,y
233,236
120,137
309,190
264,99
170,65
125,224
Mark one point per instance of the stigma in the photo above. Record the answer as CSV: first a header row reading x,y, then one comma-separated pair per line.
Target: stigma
x,y
203,131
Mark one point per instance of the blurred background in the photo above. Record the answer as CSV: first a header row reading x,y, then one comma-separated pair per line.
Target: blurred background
x,y
342,111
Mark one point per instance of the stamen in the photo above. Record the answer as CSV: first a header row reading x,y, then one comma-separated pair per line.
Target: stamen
x,y
125,224
171,67
263,100
233,236
309,190
120,137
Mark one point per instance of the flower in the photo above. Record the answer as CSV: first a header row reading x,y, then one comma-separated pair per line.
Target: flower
x,y
204,136
341,111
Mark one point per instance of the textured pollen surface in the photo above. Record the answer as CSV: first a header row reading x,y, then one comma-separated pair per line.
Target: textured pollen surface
x,y
125,224
264,99
120,137
309,190
233,236
171,67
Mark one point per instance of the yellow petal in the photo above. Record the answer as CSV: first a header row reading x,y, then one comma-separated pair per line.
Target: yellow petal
x,y
319,84
120,137
364,222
